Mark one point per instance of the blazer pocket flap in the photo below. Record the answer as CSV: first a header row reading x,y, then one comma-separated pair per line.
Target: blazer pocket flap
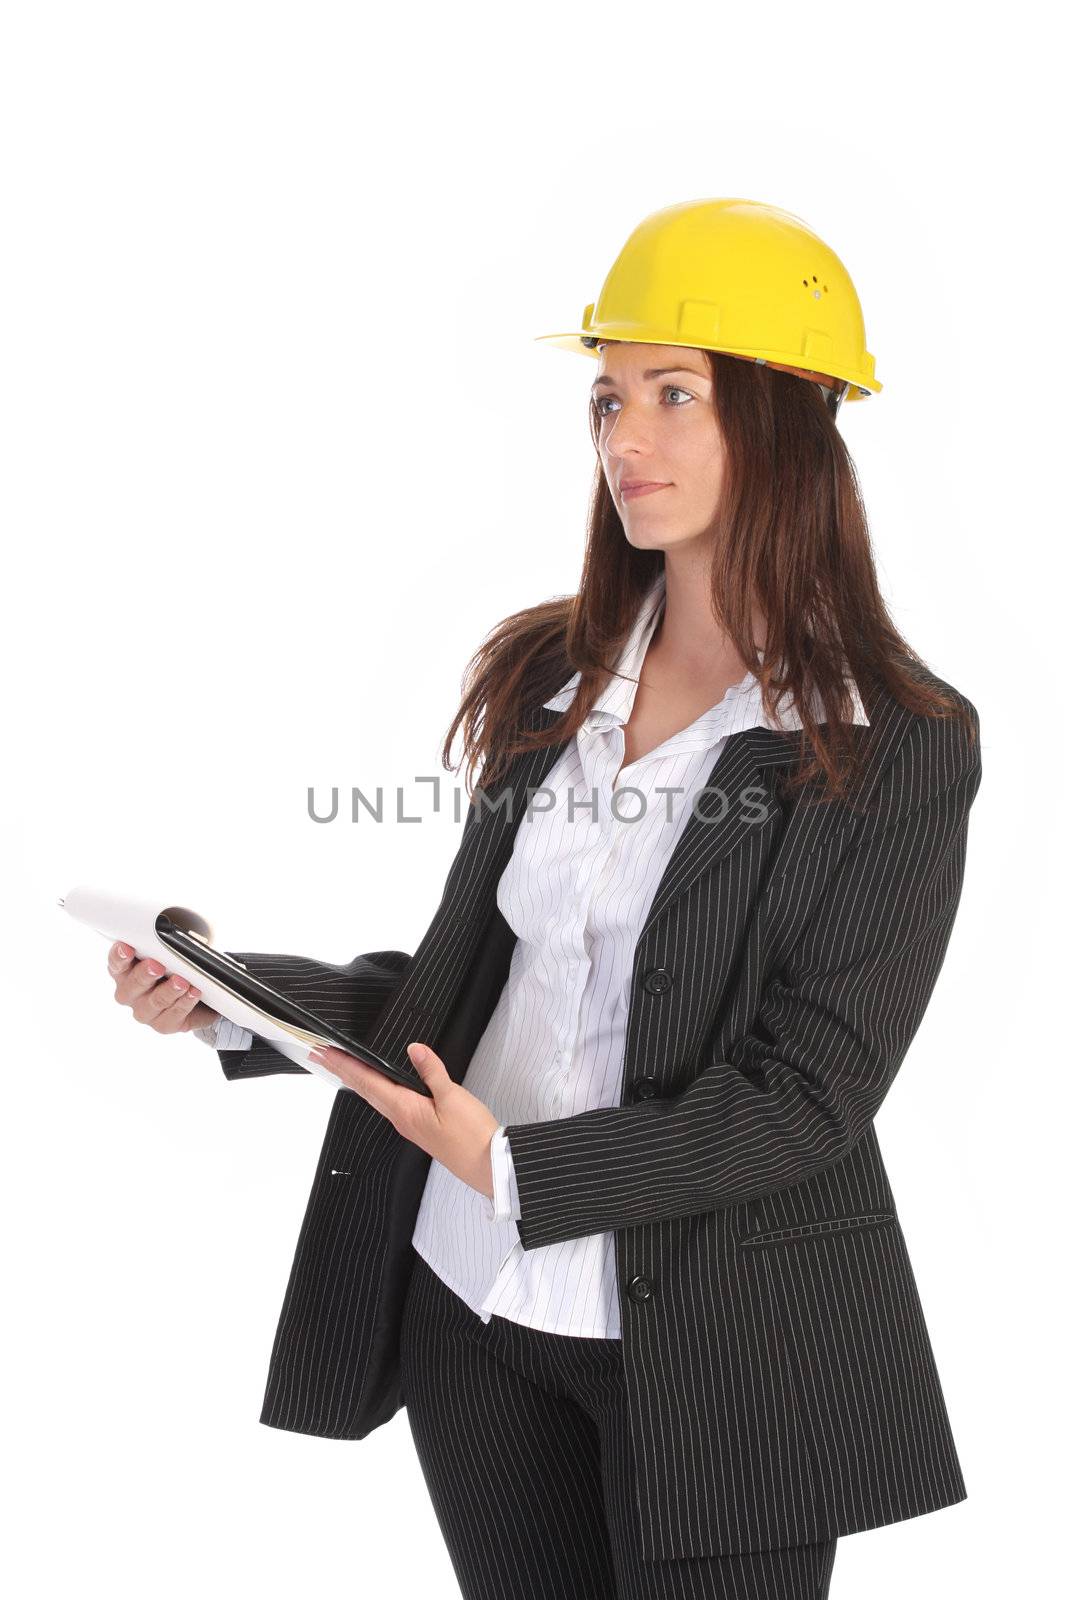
x,y
819,1227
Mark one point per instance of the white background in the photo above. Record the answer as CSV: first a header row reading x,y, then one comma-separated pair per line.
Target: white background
x,y
278,450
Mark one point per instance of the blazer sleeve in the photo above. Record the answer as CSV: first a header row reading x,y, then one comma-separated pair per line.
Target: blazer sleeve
x,y
833,1023
348,996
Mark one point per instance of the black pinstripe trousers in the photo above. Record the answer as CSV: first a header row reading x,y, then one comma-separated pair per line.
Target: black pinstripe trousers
x,y
524,1443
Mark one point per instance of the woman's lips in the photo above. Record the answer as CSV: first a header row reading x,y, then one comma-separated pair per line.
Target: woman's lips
x,y
643,488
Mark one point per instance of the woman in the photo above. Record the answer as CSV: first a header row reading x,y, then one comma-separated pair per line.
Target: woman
x,y
628,1252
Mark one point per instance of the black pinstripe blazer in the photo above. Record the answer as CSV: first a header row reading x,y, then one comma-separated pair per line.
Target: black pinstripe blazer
x,y
779,1371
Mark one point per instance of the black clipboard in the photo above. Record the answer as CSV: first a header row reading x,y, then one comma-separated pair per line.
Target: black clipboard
x,y
222,967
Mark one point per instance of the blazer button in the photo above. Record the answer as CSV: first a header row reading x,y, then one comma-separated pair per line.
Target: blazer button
x,y
645,1089
639,1289
657,980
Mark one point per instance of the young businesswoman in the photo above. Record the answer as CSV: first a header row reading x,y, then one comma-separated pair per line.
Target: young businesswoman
x,y
637,1274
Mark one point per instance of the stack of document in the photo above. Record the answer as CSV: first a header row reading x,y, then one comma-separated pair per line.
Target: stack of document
x,y
180,940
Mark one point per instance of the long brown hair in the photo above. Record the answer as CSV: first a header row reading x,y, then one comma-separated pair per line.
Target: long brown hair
x,y
790,532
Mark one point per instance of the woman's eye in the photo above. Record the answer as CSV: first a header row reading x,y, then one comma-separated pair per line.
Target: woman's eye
x,y
668,388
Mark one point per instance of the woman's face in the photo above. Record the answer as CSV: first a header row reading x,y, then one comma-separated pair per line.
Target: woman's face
x,y
657,423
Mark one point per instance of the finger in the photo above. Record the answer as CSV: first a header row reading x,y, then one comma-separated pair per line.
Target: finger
x,y
430,1068
137,980
172,1019
155,1002
366,1080
406,1109
201,1016
119,959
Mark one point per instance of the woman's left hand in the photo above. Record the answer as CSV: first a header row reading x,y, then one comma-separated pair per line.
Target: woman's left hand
x,y
450,1123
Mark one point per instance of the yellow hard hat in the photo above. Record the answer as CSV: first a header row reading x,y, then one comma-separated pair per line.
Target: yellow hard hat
x,y
737,276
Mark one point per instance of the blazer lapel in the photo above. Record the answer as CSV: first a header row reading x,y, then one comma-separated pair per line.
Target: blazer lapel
x,y
738,806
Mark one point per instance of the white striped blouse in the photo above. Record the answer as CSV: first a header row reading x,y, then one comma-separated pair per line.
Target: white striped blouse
x,y
576,890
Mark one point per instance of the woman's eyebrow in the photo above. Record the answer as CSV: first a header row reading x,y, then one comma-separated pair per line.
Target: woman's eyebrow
x,y
656,372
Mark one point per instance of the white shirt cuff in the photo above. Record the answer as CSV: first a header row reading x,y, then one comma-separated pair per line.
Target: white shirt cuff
x,y
504,1206
225,1035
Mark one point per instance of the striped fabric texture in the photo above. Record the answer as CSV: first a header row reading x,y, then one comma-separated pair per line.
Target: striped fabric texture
x,y
576,890
533,1431
781,1386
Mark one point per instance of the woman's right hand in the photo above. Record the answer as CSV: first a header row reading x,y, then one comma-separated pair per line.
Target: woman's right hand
x,y
167,1004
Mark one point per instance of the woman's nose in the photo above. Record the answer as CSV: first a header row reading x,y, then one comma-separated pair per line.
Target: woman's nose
x,y
625,433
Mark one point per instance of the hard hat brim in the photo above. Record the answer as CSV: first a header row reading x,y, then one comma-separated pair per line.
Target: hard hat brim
x,y
858,388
